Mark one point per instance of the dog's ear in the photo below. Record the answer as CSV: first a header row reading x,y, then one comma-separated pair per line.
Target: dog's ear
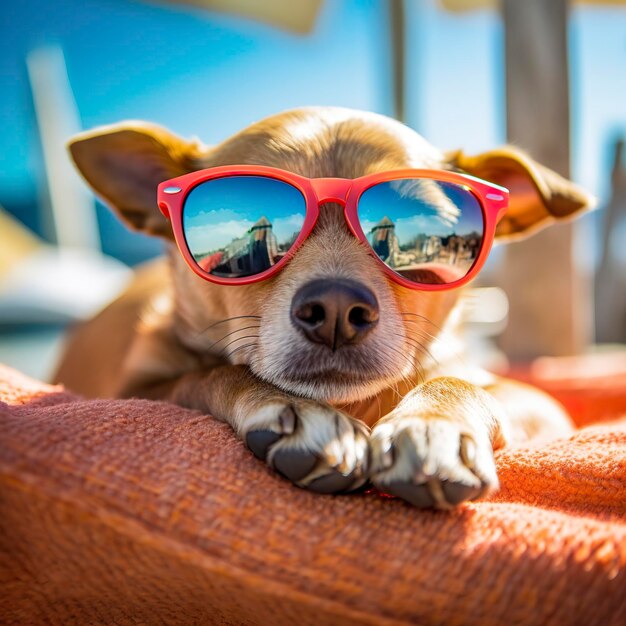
x,y
538,196
124,163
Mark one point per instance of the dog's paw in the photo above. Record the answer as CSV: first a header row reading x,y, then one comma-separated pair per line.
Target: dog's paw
x,y
431,462
311,444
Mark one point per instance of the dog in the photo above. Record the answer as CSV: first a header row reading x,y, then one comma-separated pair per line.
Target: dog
x,y
402,409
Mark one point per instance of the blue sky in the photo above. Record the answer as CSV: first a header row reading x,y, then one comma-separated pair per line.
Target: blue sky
x,y
223,210
209,74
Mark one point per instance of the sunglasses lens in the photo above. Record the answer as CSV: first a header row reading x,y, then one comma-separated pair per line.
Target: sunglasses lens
x,y
239,226
428,231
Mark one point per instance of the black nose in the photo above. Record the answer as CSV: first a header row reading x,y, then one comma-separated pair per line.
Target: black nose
x,y
334,312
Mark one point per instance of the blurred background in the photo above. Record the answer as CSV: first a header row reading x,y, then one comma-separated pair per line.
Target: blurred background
x,y
547,75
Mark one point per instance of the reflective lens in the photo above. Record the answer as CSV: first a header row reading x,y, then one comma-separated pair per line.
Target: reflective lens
x,y
239,226
428,231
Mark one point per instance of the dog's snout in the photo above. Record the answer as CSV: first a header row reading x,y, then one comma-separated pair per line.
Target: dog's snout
x,y
334,312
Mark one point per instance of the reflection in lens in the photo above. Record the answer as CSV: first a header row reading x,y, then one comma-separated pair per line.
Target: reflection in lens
x,y
239,226
429,231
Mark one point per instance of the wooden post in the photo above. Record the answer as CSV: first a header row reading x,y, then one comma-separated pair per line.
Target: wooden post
x,y
398,49
73,210
550,302
611,283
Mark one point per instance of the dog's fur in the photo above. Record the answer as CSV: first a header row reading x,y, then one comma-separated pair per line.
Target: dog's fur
x,y
233,352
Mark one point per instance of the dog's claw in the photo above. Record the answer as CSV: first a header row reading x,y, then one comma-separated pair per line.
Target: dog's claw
x,y
259,441
456,493
468,450
287,420
386,454
293,464
417,495
332,483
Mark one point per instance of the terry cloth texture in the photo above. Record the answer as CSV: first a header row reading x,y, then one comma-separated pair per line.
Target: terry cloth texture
x,y
138,512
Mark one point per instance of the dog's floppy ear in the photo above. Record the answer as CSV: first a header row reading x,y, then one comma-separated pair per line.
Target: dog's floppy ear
x,y
124,163
538,196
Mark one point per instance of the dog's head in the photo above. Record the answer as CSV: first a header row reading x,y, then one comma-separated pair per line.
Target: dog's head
x,y
330,325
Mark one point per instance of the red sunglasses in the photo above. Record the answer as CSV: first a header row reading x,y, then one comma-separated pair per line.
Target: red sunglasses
x,y
429,229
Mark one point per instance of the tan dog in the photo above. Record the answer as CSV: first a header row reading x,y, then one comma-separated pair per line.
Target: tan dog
x,y
234,353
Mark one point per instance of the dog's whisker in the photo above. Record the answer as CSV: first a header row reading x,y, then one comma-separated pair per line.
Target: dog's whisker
x,y
396,390
414,363
238,330
417,335
422,317
418,345
424,334
441,332
421,377
421,327
380,408
236,340
418,338
228,319
248,345
416,341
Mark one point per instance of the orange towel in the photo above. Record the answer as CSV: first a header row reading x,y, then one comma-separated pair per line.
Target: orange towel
x,y
141,512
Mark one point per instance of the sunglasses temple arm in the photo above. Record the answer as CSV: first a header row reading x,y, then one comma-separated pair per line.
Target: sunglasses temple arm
x,y
164,209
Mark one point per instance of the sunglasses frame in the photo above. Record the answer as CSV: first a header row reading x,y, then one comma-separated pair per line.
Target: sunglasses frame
x,y
171,196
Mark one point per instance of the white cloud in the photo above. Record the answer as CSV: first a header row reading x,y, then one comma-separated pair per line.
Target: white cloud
x,y
285,227
213,237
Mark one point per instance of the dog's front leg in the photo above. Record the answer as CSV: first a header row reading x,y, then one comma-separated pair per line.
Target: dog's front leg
x,y
310,443
435,449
